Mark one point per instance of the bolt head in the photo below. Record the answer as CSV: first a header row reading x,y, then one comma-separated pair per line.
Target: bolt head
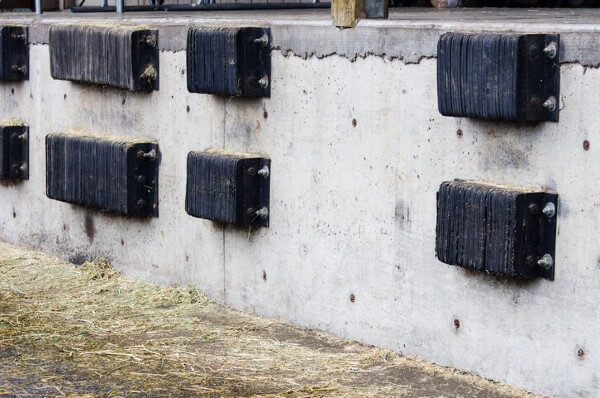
x,y
550,104
533,51
263,82
535,102
551,50
546,261
19,69
533,209
549,210
18,36
263,212
150,41
150,155
264,172
263,40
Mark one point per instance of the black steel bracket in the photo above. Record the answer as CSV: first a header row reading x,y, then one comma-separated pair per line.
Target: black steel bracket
x,y
145,61
541,75
14,50
142,177
547,235
256,188
15,153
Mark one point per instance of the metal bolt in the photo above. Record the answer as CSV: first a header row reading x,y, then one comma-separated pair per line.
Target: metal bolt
x,y
23,168
150,41
533,208
141,179
546,261
550,104
262,213
17,36
251,171
263,40
150,155
140,204
549,210
535,102
533,51
264,172
550,50
20,69
149,74
23,137
264,82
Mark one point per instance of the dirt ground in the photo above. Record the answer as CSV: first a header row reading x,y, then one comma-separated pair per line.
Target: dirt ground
x,y
87,331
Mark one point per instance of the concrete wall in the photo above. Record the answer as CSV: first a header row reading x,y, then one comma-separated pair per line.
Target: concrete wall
x,y
358,151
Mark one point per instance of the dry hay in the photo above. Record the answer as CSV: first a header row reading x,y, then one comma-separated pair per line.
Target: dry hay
x,y
89,331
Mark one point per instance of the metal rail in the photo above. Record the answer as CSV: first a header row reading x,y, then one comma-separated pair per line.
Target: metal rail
x,y
201,7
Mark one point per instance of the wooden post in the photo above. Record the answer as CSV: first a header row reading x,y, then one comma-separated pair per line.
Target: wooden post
x,y
66,4
346,12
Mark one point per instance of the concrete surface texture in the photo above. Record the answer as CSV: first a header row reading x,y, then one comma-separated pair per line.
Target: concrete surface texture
x,y
87,331
358,151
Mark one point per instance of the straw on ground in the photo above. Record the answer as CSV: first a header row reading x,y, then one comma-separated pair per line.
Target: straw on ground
x,y
89,331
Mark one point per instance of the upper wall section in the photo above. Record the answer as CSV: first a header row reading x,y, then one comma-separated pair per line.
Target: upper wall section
x,y
308,33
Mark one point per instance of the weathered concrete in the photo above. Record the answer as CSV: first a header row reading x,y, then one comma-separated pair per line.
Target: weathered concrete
x,y
358,151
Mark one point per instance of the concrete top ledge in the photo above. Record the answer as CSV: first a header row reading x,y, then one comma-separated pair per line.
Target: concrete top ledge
x,y
409,35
